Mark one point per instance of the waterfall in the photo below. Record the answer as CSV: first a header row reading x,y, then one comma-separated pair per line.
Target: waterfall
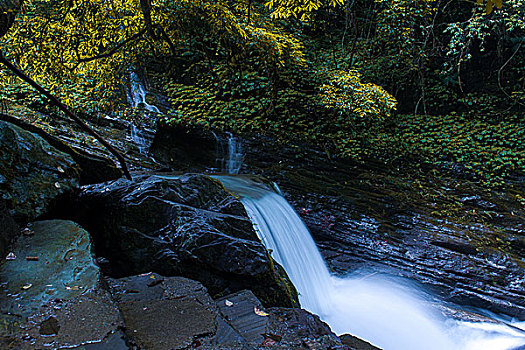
x,y
137,94
230,155
388,312
138,134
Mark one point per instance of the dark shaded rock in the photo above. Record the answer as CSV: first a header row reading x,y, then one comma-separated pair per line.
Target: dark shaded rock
x,y
91,318
8,229
299,328
49,326
50,295
187,225
178,313
275,328
33,173
167,324
183,148
354,343
92,168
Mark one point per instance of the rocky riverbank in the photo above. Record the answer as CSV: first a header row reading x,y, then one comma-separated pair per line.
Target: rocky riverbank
x,y
94,286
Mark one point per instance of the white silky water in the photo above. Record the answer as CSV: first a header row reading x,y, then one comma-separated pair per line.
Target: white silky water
x,y
388,312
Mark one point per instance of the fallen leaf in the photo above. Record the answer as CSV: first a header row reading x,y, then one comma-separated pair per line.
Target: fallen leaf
x,y
268,342
228,303
27,286
28,232
272,336
260,312
73,288
154,283
10,256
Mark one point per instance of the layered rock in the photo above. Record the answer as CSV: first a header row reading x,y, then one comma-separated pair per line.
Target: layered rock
x,y
465,243
188,226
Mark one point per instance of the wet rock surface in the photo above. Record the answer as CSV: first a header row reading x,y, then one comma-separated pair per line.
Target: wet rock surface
x,y
50,295
51,260
33,173
188,226
167,313
275,328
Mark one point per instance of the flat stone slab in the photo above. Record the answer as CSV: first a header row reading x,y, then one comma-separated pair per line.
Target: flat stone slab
x,y
239,310
164,313
52,260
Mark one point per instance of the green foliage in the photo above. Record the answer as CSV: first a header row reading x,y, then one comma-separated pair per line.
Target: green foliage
x,y
489,150
328,72
345,94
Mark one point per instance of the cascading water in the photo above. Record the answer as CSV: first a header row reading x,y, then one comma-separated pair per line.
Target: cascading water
x,y
137,95
387,312
138,137
137,98
230,155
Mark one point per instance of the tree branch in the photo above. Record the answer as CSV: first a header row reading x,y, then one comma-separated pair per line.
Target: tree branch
x,y
69,113
114,49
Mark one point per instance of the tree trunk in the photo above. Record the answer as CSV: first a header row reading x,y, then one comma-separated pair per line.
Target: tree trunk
x,y
8,11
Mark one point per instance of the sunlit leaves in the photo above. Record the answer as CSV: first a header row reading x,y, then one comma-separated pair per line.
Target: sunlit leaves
x,y
301,9
346,93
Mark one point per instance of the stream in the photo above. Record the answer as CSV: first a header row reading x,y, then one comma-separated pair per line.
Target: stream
x,y
389,312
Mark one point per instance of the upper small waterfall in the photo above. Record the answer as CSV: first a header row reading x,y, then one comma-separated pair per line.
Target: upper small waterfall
x,y
230,154
137,94
139,134
388,312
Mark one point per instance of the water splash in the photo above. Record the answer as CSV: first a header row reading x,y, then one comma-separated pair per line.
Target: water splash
x,y
390,313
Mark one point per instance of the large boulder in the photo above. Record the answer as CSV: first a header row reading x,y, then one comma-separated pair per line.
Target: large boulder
x,y
182,226
50,295
33,173
93,168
